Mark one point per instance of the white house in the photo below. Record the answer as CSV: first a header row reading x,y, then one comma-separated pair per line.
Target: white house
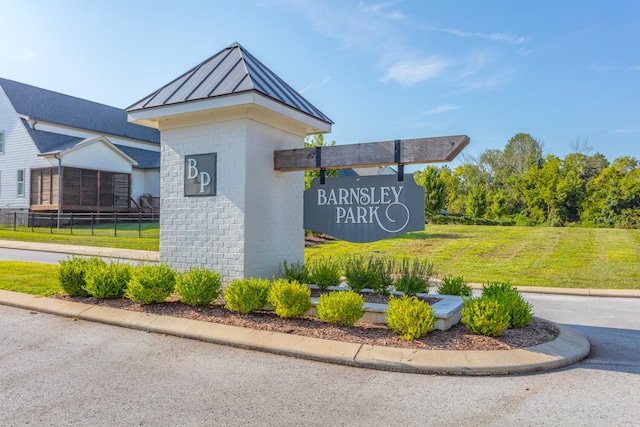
x,y
52,144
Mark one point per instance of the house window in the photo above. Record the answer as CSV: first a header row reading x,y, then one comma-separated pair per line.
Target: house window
x,y
20,191
1,142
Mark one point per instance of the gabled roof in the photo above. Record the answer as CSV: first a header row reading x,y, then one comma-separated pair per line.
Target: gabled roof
x,y
51,143
47,106
231,71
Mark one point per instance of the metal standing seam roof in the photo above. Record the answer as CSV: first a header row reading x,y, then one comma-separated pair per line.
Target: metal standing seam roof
x,y
53,107
231,71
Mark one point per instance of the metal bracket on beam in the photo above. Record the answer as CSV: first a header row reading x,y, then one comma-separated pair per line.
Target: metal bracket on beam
x,y
323,172
397,153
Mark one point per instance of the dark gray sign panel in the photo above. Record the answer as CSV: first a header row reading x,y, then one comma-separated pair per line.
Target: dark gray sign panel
x,y
200,174
366,208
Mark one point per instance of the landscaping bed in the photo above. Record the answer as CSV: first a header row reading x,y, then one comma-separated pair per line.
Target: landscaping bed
x,y
459,337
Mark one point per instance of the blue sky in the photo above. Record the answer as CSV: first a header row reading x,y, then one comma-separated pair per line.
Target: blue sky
x,y
563,71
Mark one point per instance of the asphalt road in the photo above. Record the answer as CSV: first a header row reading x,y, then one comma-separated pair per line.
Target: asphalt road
x,y
57,371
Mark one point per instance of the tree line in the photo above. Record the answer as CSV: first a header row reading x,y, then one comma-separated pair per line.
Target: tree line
x,y
524,186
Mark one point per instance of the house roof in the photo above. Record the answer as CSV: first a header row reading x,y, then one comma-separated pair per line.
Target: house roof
x,y
231,71
146,159
49,143
47,106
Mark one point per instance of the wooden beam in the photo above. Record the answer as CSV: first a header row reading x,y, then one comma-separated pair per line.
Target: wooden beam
x,y
412,151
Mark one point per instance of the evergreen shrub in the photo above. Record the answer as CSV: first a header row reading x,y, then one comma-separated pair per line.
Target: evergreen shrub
x,y
343,308
289,299
151,284
360,273
71,274
104,281
324,272
409,317
414,276
485,316
520,311
198,286
297,271
454,286
246,295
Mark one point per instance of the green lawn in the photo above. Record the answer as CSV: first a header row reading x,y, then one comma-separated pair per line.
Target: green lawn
x,y
124,240
523,256
29,278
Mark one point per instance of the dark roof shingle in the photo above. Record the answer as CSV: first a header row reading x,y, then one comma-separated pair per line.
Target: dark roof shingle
x,y
53,107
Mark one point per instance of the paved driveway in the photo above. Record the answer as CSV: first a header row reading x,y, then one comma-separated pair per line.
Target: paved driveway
x,y
57,371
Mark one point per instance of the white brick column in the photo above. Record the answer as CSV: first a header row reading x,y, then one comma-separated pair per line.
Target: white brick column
x,y
254,222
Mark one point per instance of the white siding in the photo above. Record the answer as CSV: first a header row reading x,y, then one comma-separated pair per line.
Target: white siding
x,y
20,153
97,155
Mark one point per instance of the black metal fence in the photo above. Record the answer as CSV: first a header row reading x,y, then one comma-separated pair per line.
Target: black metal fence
x,y
116,224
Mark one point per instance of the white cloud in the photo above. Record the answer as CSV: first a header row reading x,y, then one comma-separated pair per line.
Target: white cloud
x,y
500,37
441,109
408,73
627,130
316,85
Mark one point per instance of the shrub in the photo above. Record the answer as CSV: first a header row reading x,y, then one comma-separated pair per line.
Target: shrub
x,y
71,274
385,269
297,271
342,308
289,299
198,286
414,276
150,284
409,317
520,311
485,316
246,295
107,280
324,272
360,273
454,286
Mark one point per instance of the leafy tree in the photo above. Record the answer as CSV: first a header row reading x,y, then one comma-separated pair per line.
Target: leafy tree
x,y
613,198
476,206
317,141
435,193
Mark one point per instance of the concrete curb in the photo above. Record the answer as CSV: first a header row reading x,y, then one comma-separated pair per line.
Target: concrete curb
x,y
570,346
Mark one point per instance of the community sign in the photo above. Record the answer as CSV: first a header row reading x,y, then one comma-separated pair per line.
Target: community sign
x,y
365,208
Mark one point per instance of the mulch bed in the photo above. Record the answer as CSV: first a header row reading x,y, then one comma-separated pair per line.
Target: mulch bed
x,y
457,338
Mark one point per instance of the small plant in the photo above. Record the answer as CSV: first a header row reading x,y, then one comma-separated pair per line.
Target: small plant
x,y
520,311
454,286
409,317
71,274
324,272
360,273
342,308
385,268
485,316
289,299
151,284
198,286
107,280
414,276
246,295
297,271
